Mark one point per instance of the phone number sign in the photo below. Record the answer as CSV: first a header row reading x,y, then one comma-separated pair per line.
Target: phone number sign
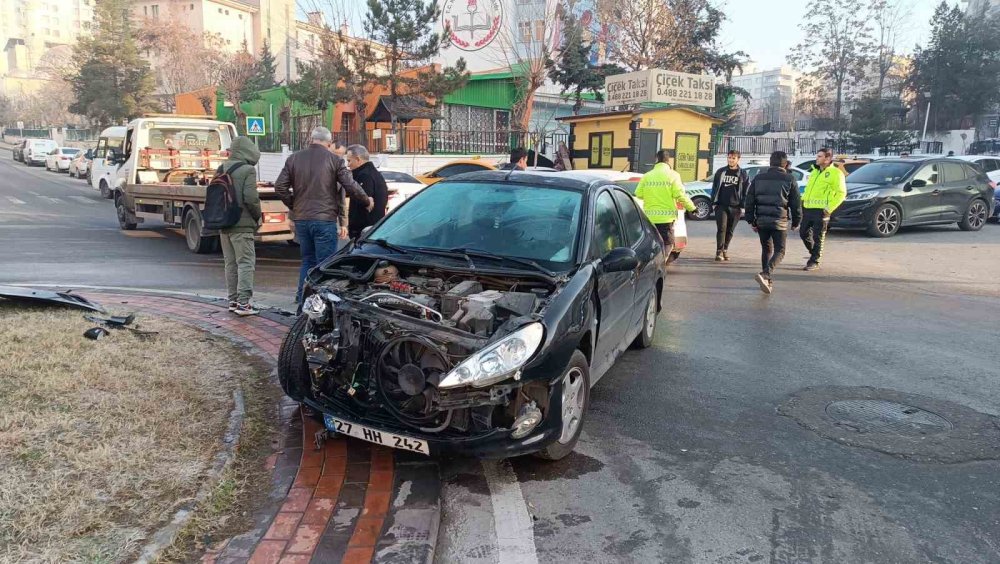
x,y
657,85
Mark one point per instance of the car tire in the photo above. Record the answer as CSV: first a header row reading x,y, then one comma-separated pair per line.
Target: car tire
x,y
577,376
124,218
293,370
703,211
105,191
975,216
645,338
197,242
885,221
71,173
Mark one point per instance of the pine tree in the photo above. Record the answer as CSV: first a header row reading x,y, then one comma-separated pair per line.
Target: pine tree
x,y
574,71
113,82
263,77
404,29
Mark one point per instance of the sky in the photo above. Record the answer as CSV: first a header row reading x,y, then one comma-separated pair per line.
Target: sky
x,y
753,27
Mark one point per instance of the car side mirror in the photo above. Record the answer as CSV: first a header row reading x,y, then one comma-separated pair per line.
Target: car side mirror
x,y
622,259
918,183
366,231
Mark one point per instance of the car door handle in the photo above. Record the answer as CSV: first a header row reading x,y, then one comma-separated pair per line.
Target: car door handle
x,y
970,188
936,193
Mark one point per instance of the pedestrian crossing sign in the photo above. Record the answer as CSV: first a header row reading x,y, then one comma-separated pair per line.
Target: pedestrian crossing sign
x,y
255,126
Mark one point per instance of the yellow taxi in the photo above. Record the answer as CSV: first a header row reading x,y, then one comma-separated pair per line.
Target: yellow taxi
x,y
460,166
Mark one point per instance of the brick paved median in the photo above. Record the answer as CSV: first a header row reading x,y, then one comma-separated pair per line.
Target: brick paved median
x,y
348,501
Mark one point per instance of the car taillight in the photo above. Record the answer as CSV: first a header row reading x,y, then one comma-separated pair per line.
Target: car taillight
x,y
993,185
63,158
274,217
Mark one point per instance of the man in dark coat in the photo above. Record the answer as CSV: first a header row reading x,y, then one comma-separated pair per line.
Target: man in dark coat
x,y
372,182
772,199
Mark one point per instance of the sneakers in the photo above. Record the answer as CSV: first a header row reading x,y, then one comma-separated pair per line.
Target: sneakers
x,y
764,283
810,266
725,256
232,306
718,257
243,310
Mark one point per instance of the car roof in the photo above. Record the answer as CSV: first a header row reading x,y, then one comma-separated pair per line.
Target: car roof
x,y
571,180
973,158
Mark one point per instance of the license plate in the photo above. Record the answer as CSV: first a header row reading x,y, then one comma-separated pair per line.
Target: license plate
x,y
375,436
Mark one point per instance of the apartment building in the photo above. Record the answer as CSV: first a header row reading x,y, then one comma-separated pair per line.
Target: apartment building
x,y
772,97
33,31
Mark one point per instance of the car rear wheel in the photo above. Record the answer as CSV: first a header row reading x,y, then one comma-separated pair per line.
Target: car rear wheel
x,y
975,216
885,222
703,211
645,338
105,191
575,384
293,370
197,242
125,220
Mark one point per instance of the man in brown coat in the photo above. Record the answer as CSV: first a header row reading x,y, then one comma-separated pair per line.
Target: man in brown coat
x,y
312,184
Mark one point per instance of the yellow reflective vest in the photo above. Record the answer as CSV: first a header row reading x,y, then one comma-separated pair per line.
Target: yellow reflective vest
x,y
661,190
825,190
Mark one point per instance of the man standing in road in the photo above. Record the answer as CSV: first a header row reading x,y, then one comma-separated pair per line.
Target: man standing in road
x,y
729,190
519,158
661,190
238,251
826,189
773,197
372,182
312,185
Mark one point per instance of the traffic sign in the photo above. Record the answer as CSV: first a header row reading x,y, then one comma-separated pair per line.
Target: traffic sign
x,y
255,126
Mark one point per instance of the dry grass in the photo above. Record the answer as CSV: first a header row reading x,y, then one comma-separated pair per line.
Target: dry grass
x,y
100,441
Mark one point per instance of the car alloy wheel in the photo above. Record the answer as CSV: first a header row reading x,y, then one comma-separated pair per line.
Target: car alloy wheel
x,y
977,215
651,316
573,400
704,209
887,220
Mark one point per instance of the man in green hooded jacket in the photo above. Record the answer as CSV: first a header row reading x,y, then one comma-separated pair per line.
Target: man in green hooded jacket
x,y
238,240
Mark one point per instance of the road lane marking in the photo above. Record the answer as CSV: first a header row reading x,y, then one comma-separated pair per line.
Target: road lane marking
x,y
144,234
44,197
14,200
513,525
83,199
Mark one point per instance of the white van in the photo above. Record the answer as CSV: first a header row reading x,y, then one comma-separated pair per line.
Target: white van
x,y
36,150
102,174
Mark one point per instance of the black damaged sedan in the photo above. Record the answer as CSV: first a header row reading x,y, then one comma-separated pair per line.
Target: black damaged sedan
x,y
475,318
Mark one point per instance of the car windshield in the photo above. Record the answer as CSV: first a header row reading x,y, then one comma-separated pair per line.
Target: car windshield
x,y
881,173
70,151
510,220
393,176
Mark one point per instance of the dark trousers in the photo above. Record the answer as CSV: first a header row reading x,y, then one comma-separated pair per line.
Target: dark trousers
x,y
813,232
726,218
772,249
666,231
317,241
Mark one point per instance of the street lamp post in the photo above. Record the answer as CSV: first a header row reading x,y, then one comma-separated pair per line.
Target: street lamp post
x,y
927,115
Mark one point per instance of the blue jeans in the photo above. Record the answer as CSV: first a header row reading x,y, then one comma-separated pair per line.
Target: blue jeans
x,y
317,241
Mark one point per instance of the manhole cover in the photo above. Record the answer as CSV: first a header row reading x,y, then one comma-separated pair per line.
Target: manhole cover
x,y
880,416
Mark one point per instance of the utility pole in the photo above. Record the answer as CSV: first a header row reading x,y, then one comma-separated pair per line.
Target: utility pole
x,y
927,115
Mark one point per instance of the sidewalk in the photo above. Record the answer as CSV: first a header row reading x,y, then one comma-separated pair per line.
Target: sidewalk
x,y
346,502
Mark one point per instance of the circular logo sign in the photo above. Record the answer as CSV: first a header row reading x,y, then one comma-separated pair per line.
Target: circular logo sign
x,y
472,24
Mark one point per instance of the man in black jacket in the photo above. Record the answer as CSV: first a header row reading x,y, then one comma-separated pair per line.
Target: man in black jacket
x,y
372,182
773,198
729,190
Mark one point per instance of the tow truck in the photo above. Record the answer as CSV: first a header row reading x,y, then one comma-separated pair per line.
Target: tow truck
x,y
163,170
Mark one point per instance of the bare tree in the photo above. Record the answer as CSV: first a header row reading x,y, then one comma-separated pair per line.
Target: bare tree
x,y
839,46
234,74
638,28
889,18
181,59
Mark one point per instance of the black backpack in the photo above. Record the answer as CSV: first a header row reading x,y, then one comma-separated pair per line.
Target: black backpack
x,y
222,209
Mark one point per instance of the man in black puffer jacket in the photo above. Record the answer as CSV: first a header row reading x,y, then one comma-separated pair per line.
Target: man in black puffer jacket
x,y
773,198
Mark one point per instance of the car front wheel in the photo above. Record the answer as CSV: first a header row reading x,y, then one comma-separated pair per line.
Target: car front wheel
x,y
293,370
885,222
975,216
575,384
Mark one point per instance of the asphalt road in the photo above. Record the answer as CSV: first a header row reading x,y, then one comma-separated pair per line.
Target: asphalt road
x,y
688,453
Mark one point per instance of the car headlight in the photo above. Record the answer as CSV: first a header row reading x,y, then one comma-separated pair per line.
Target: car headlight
x,y
862,195
315,307
498,361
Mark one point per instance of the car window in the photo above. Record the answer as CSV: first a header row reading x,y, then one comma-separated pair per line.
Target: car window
x,y
452,170
851,167
753,171
70,151
953,172
393,176
608,232
808,165
630,217
516,220
971,171
989,165
798,175
929,174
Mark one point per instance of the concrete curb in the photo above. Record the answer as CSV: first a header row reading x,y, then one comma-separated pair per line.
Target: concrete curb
x,y
166,536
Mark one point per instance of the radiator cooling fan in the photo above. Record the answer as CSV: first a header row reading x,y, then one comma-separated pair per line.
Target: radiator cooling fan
x,y
409,370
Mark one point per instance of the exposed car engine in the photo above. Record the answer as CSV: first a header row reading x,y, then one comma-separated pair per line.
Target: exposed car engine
x,y
383,337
